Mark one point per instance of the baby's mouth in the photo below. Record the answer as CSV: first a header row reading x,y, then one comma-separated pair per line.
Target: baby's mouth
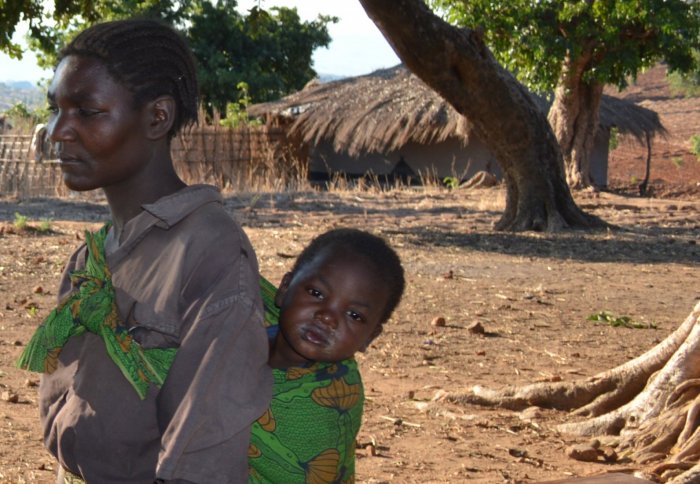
x,y
315,335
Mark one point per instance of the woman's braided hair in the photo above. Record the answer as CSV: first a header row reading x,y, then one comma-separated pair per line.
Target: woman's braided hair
x,y
149,58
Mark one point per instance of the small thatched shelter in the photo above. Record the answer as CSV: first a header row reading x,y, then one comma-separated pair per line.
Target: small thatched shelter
x,y
389,121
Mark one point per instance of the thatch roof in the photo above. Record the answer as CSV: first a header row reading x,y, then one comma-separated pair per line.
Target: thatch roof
x,y
386,109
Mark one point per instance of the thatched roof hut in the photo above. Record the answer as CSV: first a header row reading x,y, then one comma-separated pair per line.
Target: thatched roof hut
x,y
384,110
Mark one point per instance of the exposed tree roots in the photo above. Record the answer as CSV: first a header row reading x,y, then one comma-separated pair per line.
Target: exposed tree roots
x,y
652,403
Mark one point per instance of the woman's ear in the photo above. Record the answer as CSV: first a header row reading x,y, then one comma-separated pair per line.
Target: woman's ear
x,y
160,117
282,289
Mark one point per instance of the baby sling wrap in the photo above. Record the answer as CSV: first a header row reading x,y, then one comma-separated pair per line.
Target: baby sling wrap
x,y
308,433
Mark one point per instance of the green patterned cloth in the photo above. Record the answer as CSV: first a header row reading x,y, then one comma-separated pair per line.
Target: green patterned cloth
x,y
92,308
308,433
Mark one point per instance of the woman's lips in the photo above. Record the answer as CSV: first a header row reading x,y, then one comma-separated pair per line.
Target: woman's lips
x,y
68,160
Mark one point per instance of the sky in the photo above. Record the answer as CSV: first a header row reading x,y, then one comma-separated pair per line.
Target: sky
x,y
357,46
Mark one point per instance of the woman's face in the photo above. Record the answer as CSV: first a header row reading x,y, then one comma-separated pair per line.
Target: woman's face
x,y
98,132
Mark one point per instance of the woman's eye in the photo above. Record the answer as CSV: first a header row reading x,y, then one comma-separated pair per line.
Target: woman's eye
x,y
87,112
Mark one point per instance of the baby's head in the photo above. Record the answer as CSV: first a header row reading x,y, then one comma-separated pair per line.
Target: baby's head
x,y
147,57
342,289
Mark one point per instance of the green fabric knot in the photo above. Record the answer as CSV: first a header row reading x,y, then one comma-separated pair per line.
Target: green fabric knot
x,y
93,308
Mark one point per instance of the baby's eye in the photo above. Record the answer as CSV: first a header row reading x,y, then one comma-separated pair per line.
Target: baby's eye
x,y
356,316
315,293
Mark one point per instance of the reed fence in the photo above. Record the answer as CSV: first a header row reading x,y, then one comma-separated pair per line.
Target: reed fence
x,y
248,158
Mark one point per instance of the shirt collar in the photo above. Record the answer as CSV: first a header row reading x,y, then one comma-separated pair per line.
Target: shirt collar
x,y
173,208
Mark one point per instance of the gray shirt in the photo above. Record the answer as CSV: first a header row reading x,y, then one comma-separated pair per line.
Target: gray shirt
x,y
185,276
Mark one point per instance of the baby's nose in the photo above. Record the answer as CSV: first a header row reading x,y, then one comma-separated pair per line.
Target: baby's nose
x,y
327,317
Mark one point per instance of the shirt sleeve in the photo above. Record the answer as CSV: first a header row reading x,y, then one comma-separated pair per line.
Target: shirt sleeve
x,y
218,385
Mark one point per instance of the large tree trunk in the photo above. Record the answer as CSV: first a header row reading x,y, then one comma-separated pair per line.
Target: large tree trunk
x,y
458,65
574,119
652,403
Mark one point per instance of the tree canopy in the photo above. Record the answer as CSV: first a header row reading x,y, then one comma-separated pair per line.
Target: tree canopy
x,y
534,39
575,48
270,51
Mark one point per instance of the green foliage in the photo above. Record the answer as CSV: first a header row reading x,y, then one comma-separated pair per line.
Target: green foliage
x,y
45,225
695,145
24,119
21,221
20,112
53,24
271,51
236,112
677,161
614,140
622,321
612,41
686,83
11,12
451,182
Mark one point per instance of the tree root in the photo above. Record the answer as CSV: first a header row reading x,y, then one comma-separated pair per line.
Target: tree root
x,y
678,473
592,396
652,402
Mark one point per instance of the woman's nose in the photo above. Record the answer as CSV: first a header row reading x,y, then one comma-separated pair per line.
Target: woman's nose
x,y
59,128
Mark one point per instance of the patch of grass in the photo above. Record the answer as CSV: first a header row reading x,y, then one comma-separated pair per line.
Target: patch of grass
x,y
614,140
21,221
44,225
451,182
22,224
695,145
621,321
678,161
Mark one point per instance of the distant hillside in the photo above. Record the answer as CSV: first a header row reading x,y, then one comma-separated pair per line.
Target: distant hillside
x,y
673,162
680,115
329,77
12,92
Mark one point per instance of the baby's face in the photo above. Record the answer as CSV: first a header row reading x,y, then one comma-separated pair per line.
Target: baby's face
x,y
331,309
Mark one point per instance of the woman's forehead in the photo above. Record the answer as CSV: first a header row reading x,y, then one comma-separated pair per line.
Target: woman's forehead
x,y
83,77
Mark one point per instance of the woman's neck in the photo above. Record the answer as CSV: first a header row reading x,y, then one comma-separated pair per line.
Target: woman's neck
x,y
126,200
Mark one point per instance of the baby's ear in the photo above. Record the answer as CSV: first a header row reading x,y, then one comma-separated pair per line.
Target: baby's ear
x,y
282,289
161,116
377,331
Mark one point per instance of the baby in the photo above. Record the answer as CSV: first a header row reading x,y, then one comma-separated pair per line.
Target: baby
x,y
342,289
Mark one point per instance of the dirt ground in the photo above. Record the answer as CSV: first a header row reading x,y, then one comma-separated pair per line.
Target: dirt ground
x,y
532,293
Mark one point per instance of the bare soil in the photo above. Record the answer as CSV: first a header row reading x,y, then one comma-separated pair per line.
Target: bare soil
x,y
531,293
